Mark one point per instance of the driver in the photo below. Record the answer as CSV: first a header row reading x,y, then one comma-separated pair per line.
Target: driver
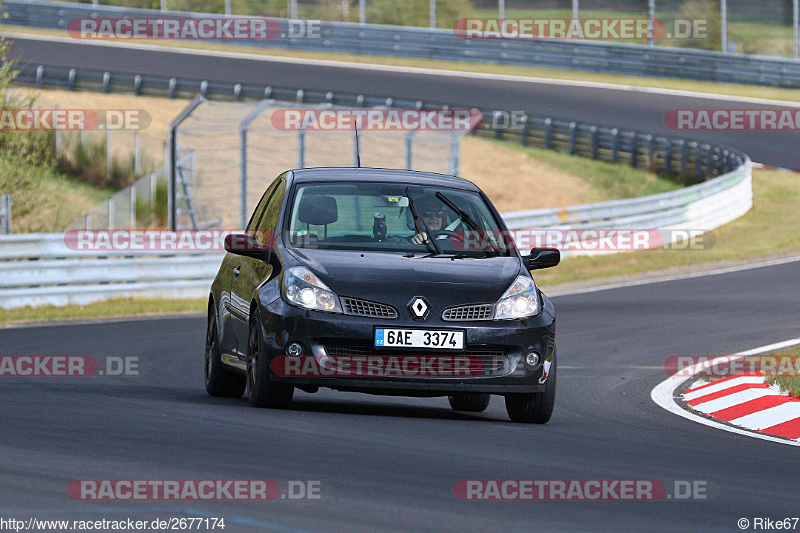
x,y
432,213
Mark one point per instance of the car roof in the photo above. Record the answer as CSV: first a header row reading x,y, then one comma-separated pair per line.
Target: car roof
x,y
412,177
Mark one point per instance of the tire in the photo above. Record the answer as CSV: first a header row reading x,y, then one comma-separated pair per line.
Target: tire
x,y
470,402
535,408
220,381
261,391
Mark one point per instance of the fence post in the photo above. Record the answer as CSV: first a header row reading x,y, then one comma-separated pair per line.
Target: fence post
x,y
595,146
409,149
455,154
137,162
171,159
133,207
635,150
615,145
57,134
111,213
109,157
5,211
525,131
301,149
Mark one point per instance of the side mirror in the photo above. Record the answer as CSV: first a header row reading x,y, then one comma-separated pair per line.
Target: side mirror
x,y
246,245
542,258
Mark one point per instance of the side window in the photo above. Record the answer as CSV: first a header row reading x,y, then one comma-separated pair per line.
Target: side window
x,y
269,220
253,224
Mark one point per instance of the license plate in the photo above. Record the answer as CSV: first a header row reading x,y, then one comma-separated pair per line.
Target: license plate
x,y
419,338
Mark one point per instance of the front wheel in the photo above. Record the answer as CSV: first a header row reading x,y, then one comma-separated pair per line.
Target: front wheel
x,y
535,408
470,402
261,391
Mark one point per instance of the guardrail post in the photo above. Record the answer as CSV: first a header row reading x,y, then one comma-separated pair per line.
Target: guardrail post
x,y
111,213
573,137
525,131
39,76
594,142
87,222
635,150
698,162
615,145
5,211
548,133
173,85
709,160
668,157
684,159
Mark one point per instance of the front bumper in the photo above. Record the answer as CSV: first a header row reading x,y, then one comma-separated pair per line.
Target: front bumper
x,y
501,345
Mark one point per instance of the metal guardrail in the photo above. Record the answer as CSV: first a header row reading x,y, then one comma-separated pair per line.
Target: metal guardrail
x,y
692,161
617,58
5,214
41,269
61,275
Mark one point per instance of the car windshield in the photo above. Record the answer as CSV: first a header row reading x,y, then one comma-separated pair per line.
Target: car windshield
x,y
393,217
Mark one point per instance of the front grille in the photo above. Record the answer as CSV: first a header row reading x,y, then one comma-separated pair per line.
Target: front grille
x,y
352,306
492,360
469,312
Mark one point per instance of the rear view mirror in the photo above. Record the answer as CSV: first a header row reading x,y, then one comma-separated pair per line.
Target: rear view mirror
x,y
246,245
542,258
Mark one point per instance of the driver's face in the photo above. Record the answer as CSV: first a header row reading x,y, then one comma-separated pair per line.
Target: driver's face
x,y
433,218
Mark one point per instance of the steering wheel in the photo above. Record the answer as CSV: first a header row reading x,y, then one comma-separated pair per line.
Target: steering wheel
x,y
395,239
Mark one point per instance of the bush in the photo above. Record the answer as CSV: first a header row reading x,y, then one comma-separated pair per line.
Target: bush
x,y
417,12
708,10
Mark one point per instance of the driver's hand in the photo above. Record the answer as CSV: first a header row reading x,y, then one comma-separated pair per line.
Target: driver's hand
x,y
420,238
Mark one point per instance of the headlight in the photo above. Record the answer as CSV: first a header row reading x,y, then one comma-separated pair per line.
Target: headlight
x,y
519,301
303,288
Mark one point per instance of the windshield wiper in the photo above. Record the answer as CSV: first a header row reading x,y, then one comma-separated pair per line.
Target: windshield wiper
x,y
430,238
466,218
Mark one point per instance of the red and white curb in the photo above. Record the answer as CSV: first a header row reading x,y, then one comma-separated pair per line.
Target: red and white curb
x,y
742,404
748,402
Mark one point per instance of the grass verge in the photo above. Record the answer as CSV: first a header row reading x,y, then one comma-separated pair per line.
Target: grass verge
x,y
788,383
44,200
120,307
749,91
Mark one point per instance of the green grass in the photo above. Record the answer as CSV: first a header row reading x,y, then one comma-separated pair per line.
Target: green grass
x,y
617,181
44,200
728,89
787,383
121,307
771,227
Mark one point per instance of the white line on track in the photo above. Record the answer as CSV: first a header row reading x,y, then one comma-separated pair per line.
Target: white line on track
x,y
664,394
411,70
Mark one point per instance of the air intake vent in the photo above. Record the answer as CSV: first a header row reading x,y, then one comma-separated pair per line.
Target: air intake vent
x,y
356,307
469,312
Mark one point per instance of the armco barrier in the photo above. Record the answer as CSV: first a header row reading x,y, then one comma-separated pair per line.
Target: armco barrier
x,y
59,275
443,44
40,269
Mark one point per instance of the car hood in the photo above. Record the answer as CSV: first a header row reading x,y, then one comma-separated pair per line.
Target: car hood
x,y
394,279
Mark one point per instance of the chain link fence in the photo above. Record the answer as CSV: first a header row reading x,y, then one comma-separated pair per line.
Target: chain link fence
x,y
227,154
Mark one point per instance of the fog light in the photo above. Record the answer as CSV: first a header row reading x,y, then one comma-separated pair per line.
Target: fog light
x,y
532,360
294,349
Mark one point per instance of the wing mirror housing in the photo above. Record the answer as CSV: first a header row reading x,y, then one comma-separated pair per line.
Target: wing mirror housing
x,y
542,258
246,245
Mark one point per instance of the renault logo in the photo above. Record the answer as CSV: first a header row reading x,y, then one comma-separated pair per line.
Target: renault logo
x,y
419,308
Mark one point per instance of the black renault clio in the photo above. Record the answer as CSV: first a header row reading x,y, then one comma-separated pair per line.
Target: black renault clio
x,y
383,282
